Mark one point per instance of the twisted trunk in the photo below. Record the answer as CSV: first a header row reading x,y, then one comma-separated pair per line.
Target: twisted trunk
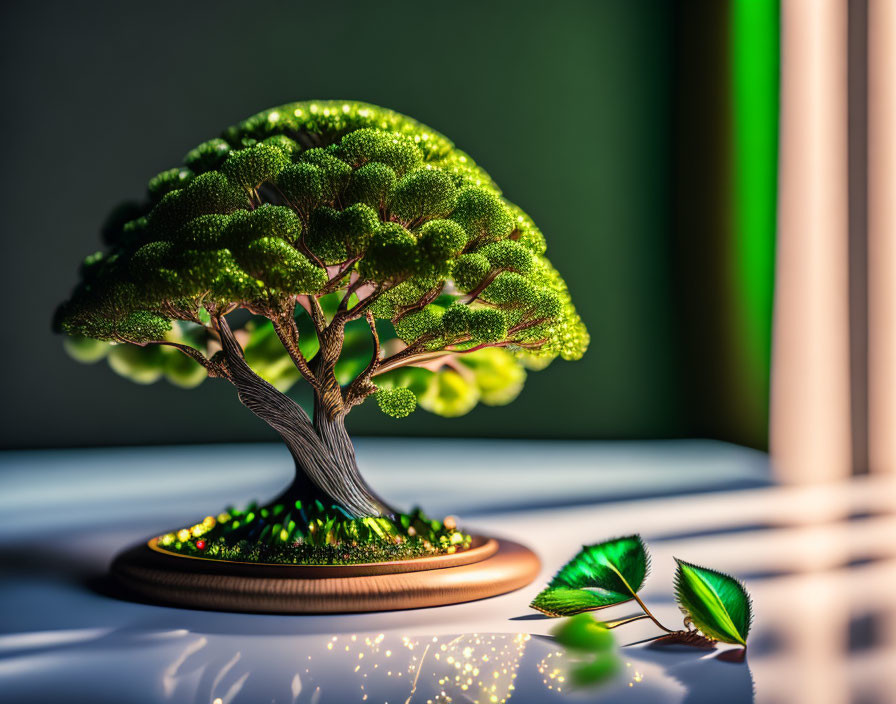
x,y
336,438
326,469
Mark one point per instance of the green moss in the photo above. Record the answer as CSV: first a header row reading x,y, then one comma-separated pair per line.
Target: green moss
x,y
314,535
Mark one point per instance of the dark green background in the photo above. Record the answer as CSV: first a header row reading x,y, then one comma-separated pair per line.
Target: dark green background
x,y
569,105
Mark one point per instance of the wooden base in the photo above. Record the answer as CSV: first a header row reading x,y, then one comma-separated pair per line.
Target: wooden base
x,y
488,568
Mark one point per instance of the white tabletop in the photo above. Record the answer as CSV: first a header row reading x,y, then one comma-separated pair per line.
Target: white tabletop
x,y
819,562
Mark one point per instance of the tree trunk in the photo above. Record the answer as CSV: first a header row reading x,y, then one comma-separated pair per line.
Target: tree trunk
x,y
334,435
325,464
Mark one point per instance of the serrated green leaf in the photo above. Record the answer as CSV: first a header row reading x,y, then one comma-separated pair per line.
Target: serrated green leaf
x,y
716,603
599,575
562,601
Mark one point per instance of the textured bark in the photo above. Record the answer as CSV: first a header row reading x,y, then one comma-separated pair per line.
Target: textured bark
x,y
325,464
334,435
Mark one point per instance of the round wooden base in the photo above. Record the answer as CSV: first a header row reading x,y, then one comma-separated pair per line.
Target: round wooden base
x,y
488,568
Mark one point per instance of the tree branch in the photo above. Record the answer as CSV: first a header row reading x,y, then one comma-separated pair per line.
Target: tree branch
x,y
361,387
403,359
427,298
538,344
358,309
316,313
288,332
410,352
329,396
352,287
491,276
215,370
333,284
528,324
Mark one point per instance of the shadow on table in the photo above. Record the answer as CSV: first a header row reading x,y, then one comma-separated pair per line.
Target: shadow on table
x,y
708,678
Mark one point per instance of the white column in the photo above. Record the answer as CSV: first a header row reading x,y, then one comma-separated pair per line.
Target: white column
x,y
810,434
882,235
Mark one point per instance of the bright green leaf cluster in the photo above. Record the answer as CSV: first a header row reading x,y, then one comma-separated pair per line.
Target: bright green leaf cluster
x,y
397,403
278,203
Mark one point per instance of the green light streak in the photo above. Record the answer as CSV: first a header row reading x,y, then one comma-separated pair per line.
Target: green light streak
x,y
755,64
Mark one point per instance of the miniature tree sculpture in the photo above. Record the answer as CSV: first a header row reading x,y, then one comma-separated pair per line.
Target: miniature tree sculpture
x,y
301,223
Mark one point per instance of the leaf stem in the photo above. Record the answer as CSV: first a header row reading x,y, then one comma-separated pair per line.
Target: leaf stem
x,y
637,598
623,621
648,614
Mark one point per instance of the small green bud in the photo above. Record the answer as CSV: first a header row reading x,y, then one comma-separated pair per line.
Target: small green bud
x,y
206,194
284,143
149,258
548,304
280,266
204,232
397,403
358,224
325,235
583,633
334,172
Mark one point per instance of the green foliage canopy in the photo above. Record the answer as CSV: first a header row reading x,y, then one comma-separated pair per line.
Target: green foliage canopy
x,y
315,198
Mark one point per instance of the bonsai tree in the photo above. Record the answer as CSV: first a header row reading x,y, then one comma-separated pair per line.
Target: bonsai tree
x,y
303,226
